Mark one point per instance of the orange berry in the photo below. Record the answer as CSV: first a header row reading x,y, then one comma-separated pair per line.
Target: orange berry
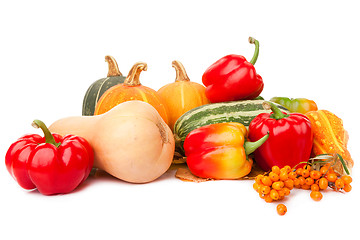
x,y
281,209
339,183
289,184
274,176
347,179
315,187
301,180
309,181
286,191
316,195
258,178
276,170
268,199
292,175
262,196
265,190
266,181
323,183
299,171
324,169
281,193
305,173
274,194
315,174
305,187
307,167
286,168
296,183
256,186
347,188
331,177
283,176
277,185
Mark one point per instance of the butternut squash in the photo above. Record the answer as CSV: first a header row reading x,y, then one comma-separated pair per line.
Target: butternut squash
x,y
130,142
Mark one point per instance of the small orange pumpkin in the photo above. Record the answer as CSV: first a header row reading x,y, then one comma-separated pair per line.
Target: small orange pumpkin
x,y
181,95
130,90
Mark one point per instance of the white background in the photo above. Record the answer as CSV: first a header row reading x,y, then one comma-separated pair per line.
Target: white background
x,y
50,53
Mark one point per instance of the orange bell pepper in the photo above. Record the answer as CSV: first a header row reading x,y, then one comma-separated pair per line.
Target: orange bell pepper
x,y
220,151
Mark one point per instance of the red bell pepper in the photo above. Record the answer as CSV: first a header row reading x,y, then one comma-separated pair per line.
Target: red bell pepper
x,y
53,164
233,78
290,139
220,151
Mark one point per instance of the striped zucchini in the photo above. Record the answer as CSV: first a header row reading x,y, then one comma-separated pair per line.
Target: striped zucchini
x,y
237,111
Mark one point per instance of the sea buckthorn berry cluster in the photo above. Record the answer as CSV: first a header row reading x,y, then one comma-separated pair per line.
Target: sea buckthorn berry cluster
x,y
309,178
276,184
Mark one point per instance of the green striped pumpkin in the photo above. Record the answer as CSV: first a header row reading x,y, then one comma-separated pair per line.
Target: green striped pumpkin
x,y
97,89
237,111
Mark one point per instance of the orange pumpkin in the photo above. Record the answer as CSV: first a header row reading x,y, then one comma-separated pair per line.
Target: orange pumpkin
x,y
130,90
181,95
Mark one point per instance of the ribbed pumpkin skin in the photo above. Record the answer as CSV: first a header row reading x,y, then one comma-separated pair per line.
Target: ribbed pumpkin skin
x,y
123,93
96,90
180,97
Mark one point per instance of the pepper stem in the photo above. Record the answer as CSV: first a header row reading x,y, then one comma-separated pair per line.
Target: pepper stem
x,y
49,138
133,78
180,71
256,53
277,113
250,147
113,67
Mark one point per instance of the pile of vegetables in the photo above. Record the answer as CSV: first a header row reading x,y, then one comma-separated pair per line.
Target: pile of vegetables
x,y
222,129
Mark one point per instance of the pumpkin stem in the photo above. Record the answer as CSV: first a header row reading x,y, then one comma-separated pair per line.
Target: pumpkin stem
x,y
132,78
180,71
113,67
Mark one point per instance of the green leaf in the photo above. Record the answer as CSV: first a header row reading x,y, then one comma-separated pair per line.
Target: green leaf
x,y
343,163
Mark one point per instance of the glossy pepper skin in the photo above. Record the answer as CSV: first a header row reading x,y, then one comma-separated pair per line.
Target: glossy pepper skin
x,y
53,164
233,78
219,151
290,139
298,105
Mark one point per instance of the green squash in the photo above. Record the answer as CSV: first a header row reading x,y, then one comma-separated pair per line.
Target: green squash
x,y
97,89
242,111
